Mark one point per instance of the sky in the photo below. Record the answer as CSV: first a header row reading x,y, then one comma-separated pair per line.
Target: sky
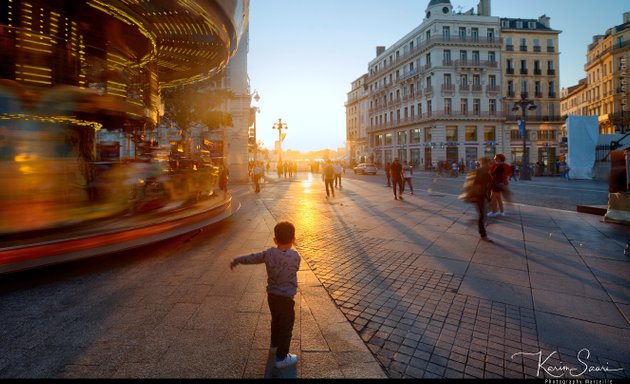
x,y
304,54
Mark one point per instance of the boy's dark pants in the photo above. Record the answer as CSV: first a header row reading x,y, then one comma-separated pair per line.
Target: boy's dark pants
x,y
282,319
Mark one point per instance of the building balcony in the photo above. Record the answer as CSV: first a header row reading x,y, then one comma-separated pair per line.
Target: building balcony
x,y
477,88
537,71
523,48
476,64
509,71
448,88
536,118
493,89
523,71
551,72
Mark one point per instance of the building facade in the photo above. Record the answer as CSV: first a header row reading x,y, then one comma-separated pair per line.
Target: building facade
x,y
357,109
435,94
530,72
607,73
445,91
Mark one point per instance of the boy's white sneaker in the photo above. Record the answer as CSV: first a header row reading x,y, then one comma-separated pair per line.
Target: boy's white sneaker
x,y
287,362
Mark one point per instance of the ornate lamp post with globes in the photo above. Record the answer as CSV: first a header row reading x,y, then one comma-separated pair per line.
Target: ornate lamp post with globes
x,y
524,104
280,126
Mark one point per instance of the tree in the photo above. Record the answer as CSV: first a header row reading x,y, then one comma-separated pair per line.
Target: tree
x,y
199,102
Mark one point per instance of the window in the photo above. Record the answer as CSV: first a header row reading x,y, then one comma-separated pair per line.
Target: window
x,y
448,106
470,133
429,108
476,106
412,111
474,34
398,115
523,46
463,106
388,139
537,70
550,47
489,133
519,24
511,90
537,90
523,67
451,133
447,79
524,86
490,34
492,106
462,33
463,55
428,59
531,24
492,57
420,109
446,33
427,135
508,44
536,45
492,79
475,57
447,55
552,89
415,135
463,80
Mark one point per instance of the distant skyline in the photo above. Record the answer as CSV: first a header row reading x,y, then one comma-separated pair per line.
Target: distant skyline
x,y
304,55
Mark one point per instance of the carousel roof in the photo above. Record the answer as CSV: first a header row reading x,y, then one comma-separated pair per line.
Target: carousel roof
x,y
191,39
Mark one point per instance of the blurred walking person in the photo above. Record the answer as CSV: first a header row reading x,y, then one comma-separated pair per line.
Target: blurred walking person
x,y
477,189
397,178
407,171
499,172
329,176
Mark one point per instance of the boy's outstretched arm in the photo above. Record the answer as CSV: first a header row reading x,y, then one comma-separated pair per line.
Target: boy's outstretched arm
x,y
253,258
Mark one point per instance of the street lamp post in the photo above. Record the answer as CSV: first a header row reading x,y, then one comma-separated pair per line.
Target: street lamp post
x,y
280,126
524,104
256,110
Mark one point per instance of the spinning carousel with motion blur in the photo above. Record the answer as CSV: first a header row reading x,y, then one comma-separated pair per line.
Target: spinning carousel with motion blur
x,y
83,168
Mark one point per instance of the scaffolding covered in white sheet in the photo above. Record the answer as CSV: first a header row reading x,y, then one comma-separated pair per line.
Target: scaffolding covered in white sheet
x,y
582,137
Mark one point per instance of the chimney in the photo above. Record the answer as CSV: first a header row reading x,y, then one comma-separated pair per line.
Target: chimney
x,y
626,17
544,20
483,8
380,49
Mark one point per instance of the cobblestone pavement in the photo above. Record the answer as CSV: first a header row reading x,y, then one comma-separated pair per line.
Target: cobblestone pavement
x,y
549,298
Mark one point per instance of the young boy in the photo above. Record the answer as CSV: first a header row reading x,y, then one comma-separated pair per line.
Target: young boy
x,y
282,265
